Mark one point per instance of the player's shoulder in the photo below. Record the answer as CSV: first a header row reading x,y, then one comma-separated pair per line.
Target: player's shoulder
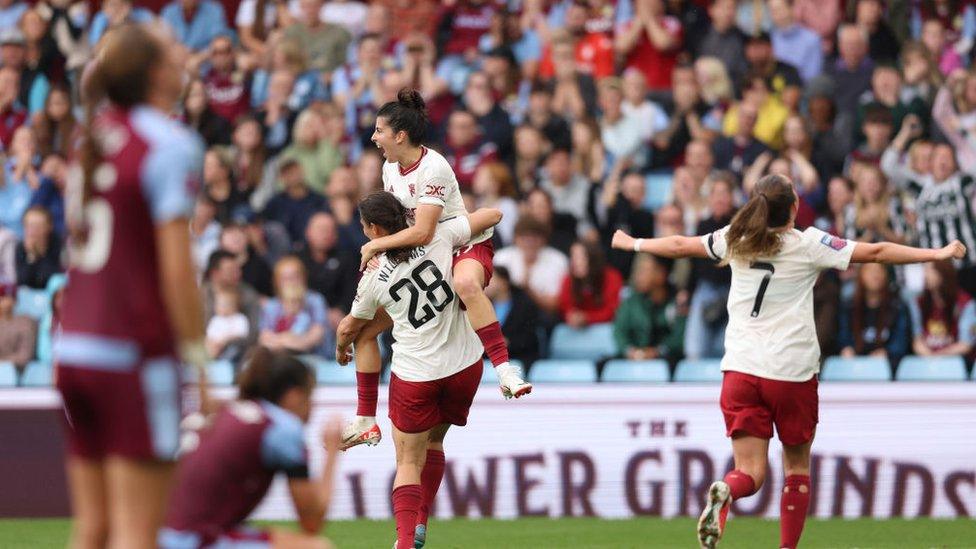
x,y
434,164
164,134
812,237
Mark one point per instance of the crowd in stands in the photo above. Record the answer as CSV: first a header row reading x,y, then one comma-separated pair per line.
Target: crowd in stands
x,y
574,118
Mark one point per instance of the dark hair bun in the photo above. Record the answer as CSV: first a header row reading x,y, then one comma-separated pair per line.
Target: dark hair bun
x,y
411,99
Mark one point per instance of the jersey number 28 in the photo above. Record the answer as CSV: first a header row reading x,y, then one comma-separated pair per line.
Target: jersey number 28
x,y
415,284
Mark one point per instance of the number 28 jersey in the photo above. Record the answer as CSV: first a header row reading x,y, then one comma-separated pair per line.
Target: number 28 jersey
x,y
771,331
433,337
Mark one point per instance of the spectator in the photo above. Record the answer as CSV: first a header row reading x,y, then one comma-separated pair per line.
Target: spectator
x,y
494,188
590,291
39,254
820,16
195,23
8,254
223,275
651,43
226,82
875,214
588,157
11,11
55,124
219,185
518,315
331,272
622,208
41,52
570,191
686,123
460,29
296,203
465,148
771,113
794,43
348,13
883,45
317,156
251,171
18,334
919,163
295,319
541,116
699,160
920,74
593,52
562,226
650,324
64,25
877,128
753,18
254,269
886,94
507,31
493,121
115,13
840,195
530,151
276,115
738,151
876,322
255,25
534,265
12,113
198,115
943,316
574,91
204,231
637,105
851,72
227,329
325,44
953,111
716,90
782,79
723,40
934,39
50,193
34,85
620,133
356,88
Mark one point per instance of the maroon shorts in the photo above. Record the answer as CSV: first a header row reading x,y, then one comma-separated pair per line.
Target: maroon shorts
x,y
482,252
417,406
753,405
128,412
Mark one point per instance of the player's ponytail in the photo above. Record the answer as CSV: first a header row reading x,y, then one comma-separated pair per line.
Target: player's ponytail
x,y
268,375
408,114
755,230
385,210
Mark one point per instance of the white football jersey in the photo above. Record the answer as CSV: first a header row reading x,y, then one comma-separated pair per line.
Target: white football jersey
x,y
771,331
433,336
430,180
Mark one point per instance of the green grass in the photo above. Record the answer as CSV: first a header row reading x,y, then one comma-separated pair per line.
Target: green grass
x,y
590,533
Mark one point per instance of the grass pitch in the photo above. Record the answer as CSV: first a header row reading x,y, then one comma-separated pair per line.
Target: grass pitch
x,y
743,533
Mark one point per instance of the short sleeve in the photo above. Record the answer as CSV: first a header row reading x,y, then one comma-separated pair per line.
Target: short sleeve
x,y
283,449
827,251
715,244
365,303
269,314
456,230
171,177
316,306
246,13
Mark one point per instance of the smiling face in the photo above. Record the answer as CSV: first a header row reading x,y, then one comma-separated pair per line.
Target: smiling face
x,y
388,141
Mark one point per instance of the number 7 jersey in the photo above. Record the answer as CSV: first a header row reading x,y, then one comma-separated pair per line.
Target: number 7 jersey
x,y
433,336
771,331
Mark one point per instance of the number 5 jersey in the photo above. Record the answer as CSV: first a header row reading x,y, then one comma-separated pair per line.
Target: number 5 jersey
x,y
433,336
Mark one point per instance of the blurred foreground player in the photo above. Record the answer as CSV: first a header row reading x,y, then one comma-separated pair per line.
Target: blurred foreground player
x,y
131,308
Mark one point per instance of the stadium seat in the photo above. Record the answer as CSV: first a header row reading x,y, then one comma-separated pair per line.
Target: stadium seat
x,y
45,337
636,371
8,374
37,374
931,368
220,373
329,372
488,376
701,370
658,190
32,303
56,283
860,368
591,343
563,371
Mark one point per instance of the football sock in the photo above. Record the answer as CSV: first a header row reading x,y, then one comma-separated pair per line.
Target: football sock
x,y
793,509
406,501
367,386
430,480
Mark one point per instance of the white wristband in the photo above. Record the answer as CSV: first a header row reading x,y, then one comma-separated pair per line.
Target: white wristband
x,y
637,244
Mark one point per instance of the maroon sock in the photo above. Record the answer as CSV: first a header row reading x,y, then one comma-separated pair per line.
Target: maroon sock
x,y
430,480
406,501
740,485
494,343
793,509
368,387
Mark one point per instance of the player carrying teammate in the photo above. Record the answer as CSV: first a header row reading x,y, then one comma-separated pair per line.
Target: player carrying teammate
x,y
424,182
436,358
132,299
771,352
230,465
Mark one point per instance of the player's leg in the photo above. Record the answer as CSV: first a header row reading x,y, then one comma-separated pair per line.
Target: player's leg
x,y
471,275
364,429
411,453
795,501
430,480
89,505
137,495
750,457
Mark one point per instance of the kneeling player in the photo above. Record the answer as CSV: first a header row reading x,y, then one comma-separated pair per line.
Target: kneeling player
x,y
231,464
436,358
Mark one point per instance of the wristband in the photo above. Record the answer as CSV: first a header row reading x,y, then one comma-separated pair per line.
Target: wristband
x,y
637,244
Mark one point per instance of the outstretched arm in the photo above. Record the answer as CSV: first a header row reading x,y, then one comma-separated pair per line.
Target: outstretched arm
x,y
897,254
421,233
668,246
483,219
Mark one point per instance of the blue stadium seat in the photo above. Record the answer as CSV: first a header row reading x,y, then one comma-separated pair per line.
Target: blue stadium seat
x,y
55,283
45,343
931,368
636,371
860,368
328,372
32,303
563,371
701,370
8,374
488,376
590,343
220,373
658,190
37,374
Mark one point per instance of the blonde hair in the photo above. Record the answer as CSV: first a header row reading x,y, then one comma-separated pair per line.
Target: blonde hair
x,y
715,84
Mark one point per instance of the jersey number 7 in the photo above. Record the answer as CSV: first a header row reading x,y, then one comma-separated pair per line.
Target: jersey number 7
x,y
762,285
415,284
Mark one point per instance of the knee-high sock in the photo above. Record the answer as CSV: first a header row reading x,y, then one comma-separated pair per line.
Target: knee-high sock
x,y
494,343
430,481
406,501
793,509
740,485
367,387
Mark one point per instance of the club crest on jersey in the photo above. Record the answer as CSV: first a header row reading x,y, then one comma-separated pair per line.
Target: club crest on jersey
x,y
412,188
833,242
434,190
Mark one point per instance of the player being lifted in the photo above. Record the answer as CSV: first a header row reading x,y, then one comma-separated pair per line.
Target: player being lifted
x,y
423,181
436,365
771,352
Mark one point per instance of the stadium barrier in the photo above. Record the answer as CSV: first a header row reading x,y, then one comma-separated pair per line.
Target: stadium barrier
x,y
608,450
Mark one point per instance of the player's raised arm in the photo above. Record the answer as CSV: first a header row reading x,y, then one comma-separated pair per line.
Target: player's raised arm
x,y
419,234
668,246
897,254
484,219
